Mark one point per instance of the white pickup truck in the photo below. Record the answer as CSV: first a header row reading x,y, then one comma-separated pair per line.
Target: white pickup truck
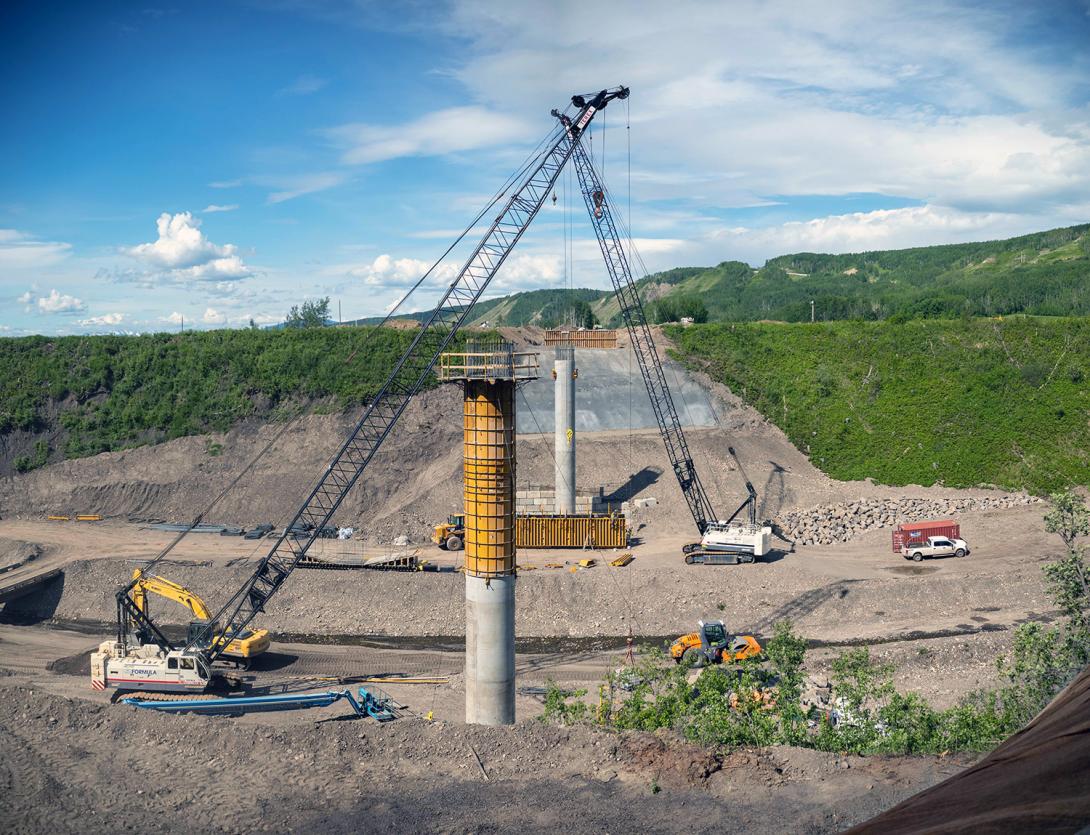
x,y
935,546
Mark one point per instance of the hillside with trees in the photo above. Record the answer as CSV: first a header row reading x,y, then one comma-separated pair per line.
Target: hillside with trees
x,y
1043,274
959,402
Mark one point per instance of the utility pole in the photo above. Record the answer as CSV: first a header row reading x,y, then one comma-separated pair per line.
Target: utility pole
x,y
811,310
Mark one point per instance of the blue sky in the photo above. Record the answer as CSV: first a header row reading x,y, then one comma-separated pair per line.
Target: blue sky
x,y
219,162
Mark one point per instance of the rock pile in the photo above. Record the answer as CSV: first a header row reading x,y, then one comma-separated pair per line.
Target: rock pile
x,y
832,523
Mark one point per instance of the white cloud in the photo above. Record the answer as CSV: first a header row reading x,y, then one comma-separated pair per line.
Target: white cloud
x,y
174,318
934,102
21,250
183,252
863,231
387,271
213,317
226,183
304,85
211,208
26,298
442,132
259,319
521,271
57,302
103,320
291,187
527,271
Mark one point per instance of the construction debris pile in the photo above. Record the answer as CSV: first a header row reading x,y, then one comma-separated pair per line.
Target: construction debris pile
x,y
832,523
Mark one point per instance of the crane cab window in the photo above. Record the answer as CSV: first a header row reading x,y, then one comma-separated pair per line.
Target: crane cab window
x,y
714,633
172,663
187,664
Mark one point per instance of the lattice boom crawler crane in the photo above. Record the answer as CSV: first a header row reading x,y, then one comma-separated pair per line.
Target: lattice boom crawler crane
x,y
143,658
738,538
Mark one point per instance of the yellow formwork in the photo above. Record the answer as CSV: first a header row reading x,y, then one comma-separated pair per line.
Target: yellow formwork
x,y
489,477
582,339
571,532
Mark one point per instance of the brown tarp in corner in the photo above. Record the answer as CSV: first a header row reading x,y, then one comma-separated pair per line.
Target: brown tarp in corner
x,y
1036,781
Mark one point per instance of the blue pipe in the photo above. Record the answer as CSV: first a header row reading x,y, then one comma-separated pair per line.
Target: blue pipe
x,y
365,705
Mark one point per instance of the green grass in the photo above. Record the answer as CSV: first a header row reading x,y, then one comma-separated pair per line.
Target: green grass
x,y
959,402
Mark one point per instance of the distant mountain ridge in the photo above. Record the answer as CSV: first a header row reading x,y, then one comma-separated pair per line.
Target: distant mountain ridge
x,y
1045,273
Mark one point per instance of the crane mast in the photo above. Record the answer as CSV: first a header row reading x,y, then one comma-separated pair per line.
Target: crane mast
x,y
409,375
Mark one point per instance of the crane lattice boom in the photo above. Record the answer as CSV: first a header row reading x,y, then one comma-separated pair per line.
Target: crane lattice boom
x,y
407,378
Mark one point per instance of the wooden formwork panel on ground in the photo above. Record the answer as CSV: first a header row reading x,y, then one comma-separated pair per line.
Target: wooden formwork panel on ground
x,y
571,532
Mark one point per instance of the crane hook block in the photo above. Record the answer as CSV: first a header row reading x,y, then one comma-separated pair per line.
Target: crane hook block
x,y
599,199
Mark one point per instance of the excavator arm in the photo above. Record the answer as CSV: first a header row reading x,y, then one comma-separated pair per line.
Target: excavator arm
x,y
146,583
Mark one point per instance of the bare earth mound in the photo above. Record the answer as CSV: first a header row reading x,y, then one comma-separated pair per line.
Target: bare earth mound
x,y
185,772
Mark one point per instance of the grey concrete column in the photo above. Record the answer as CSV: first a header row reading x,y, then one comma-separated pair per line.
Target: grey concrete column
x,y
490,650
564,412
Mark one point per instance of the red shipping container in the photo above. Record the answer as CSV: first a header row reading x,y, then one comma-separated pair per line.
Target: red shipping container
x,y
909,532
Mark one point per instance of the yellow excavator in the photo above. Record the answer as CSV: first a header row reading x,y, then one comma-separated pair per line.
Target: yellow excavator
x,y
711,644
247,645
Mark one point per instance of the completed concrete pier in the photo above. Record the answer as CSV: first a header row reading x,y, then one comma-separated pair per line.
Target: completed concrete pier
x,y
564,373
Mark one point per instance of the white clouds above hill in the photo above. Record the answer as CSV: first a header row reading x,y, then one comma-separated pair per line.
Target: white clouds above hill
x,y
183,252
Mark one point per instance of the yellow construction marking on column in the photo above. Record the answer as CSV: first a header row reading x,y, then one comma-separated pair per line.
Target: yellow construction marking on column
x,y
489,474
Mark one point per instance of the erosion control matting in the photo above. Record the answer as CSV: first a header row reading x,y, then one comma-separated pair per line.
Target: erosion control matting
x,y
1036,781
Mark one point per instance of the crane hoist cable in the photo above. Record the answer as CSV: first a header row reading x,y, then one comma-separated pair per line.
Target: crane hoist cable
x,y
643,344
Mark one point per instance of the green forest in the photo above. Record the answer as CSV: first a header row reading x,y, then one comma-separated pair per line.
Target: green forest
x,y
1046,274
961,402
923,366
110,392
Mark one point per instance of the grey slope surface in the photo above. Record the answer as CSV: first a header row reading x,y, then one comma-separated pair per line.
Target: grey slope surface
x,y
609,395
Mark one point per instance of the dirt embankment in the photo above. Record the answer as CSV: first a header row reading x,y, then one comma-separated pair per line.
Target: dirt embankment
x,y
416,477
410,775
414,471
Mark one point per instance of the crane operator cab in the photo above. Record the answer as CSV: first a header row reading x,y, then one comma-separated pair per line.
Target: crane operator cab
x,y
713,636
148,666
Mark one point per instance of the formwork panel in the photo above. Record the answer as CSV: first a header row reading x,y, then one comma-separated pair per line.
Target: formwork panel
x,y
571,532
582,339
489,477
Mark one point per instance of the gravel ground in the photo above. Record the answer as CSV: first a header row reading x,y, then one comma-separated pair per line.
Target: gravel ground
x,y
592,603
